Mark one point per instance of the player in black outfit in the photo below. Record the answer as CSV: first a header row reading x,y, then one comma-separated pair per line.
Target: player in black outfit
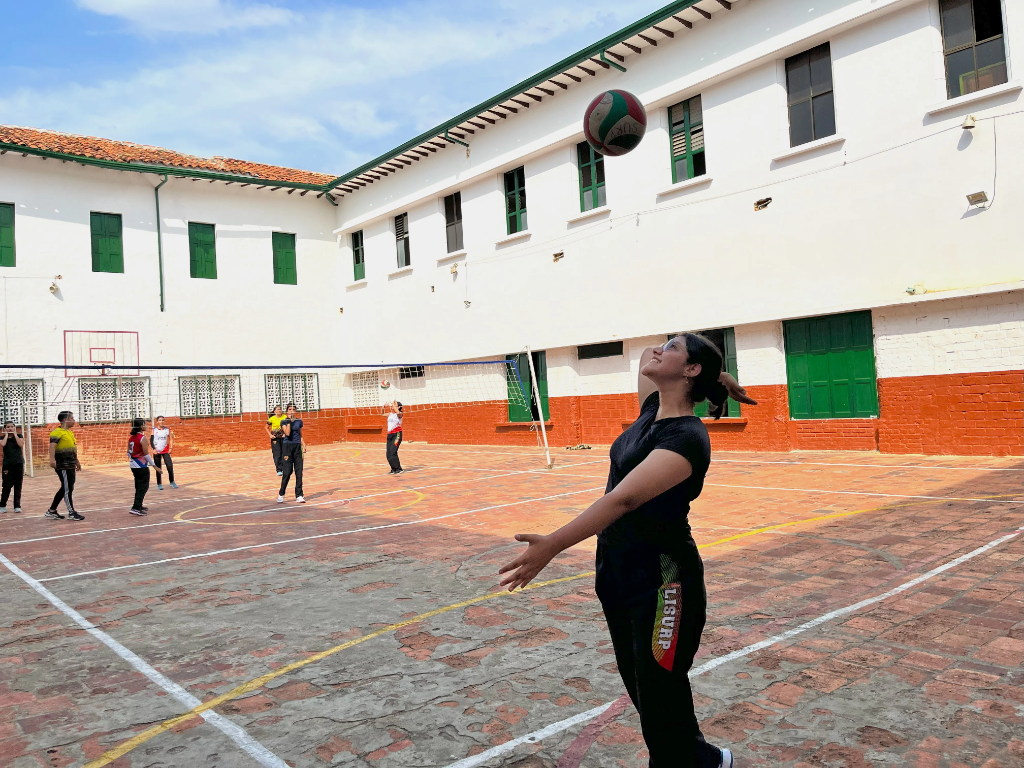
x,y
650,577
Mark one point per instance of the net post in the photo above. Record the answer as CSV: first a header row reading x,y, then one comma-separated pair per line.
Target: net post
x,y
28,439
540,405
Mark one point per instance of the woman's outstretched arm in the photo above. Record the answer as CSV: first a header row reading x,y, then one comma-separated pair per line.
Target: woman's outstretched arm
x,y
657,473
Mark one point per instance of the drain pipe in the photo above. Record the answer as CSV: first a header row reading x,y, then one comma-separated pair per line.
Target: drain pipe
x,y
160,242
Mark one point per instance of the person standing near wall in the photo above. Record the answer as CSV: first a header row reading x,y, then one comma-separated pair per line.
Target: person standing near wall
x,y
140,459
64,460
162,441
292,457
276,435
394,436
13,466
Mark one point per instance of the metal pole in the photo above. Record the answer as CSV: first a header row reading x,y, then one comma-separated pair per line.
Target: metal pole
x,y
540,405
28,440
160,242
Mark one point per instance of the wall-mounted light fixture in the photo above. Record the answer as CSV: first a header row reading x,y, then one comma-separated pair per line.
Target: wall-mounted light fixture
x,y
761,204
556,257
341,310
467,302
455,268
968,123
977,198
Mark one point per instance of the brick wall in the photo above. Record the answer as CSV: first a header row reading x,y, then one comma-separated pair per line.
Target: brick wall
x,y
967,414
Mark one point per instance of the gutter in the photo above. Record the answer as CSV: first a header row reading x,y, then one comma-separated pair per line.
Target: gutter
x,y
591,51
160,241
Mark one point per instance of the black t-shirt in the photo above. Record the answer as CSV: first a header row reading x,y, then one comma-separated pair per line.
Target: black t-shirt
x,y
13,456
634,542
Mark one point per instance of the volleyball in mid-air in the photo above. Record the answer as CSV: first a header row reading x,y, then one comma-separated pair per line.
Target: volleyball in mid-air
x,y
614,123
385,384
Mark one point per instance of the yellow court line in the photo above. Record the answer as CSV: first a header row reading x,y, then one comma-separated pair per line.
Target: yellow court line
x,y
122,749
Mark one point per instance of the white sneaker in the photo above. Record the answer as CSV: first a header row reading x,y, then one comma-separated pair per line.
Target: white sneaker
x,y
300,500
3,510
17,509
280,499
726,758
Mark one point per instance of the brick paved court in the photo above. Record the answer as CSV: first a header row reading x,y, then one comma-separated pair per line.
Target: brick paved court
x,y
365,629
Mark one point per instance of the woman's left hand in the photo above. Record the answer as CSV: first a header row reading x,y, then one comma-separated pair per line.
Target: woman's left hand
x,y
525,568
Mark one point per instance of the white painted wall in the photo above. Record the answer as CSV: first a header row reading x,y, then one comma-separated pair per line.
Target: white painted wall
x,y
968,335
851,226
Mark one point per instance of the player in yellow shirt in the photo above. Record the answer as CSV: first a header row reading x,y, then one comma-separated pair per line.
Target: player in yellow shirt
x,y
64,460
276,434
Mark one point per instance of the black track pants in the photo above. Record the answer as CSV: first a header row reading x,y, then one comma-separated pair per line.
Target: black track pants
x,y
66,490
394,440
277,451
158,460
13,477
141,485
292,462
656,633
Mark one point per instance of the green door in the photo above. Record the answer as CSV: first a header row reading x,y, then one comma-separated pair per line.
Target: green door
x,y
202,250
830,367
517,411
7,235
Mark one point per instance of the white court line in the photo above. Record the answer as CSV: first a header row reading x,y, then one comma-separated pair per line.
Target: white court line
x,y
320,535
707,666
872,466
266,509
236,733
864,493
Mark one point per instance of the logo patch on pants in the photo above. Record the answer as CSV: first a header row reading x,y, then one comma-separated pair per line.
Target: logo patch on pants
x,y
666,616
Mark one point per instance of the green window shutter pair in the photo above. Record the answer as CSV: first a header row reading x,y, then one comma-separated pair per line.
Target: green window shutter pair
x,y
107,246
202,251
830,366
284,258
686,121
515,200
591,165
725,339
517,410
358,256
7,235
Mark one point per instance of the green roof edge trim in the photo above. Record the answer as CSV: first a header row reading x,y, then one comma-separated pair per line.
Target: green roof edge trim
x,y
169,170
567,63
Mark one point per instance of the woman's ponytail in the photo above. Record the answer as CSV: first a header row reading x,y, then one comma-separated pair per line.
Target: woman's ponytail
x,y
706,385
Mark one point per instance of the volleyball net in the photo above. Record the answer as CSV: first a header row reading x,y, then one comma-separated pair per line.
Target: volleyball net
x,y
217,409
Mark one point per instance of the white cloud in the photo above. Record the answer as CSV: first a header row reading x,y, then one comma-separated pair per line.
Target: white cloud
x,y
325,93
193,16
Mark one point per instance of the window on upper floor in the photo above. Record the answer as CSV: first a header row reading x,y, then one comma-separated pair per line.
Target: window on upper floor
x,y
284,258
594,351
515,200
453,222
202,250
972,41
591,165
358,257
812,112
686,121
411,372
107,248
402,240
7,235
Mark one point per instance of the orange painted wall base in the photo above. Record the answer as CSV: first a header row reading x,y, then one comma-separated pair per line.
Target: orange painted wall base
x,y
964,414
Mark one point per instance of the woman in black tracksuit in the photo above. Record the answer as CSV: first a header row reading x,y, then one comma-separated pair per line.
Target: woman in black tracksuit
x,y
650,577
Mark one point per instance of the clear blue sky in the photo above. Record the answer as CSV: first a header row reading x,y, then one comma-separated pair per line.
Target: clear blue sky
x,y
312,84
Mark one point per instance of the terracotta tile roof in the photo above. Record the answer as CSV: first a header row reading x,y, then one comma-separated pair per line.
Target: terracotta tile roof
x,y
127,152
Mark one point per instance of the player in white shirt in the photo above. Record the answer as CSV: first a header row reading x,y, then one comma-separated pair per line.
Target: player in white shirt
x,y
394,409
162,441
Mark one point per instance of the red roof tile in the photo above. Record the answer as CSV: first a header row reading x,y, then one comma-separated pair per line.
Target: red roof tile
x,y
127,152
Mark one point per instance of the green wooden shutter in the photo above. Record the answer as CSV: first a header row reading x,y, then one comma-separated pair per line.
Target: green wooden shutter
x,y
202,250
107,248
733,408
7,258
519,389
830,366
358,257
540,365
284,258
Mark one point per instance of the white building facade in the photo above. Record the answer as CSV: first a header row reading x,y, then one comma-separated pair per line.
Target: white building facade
x,y
806,192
